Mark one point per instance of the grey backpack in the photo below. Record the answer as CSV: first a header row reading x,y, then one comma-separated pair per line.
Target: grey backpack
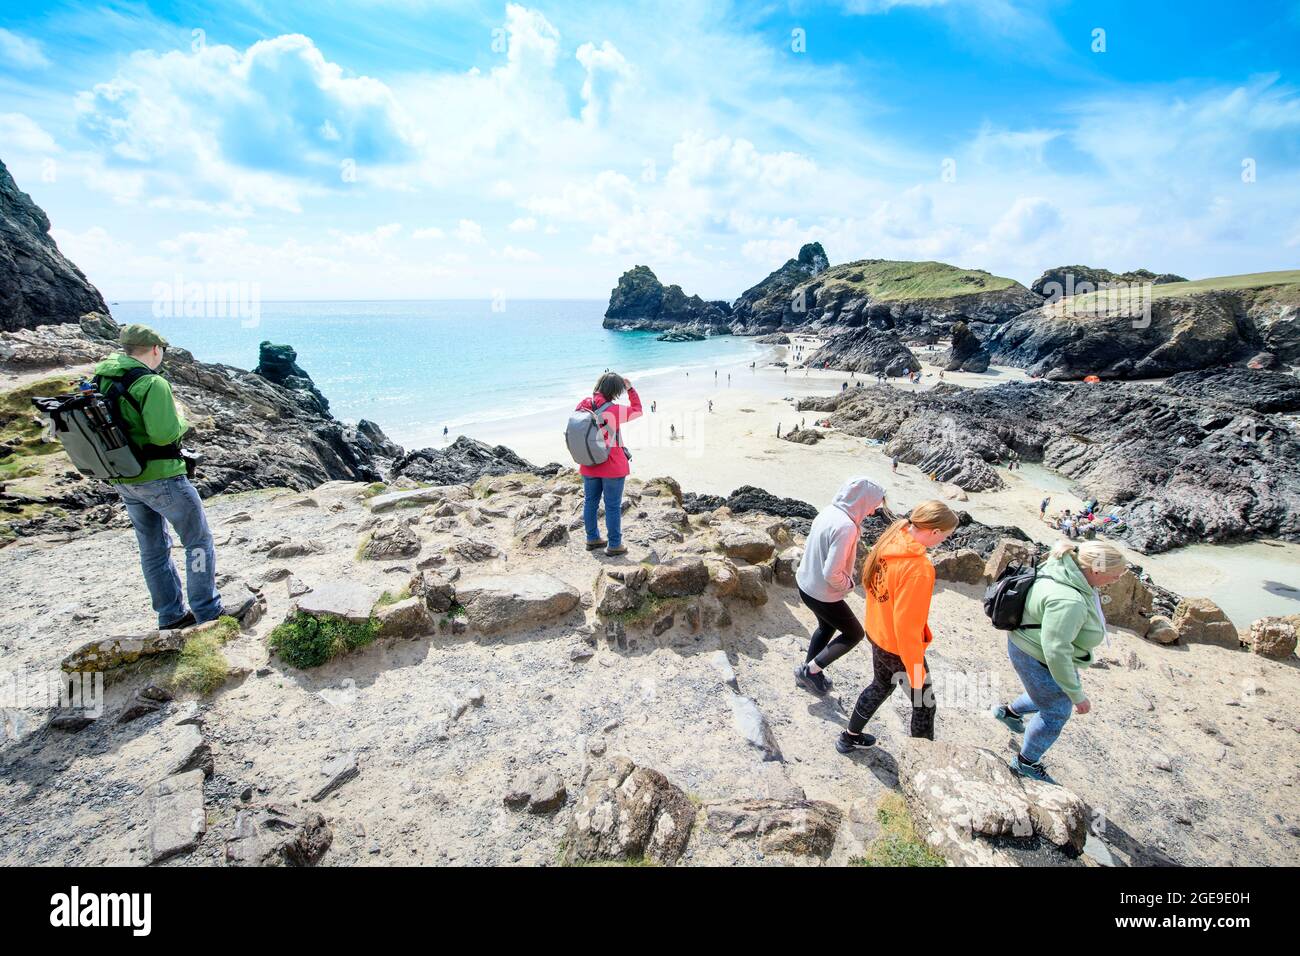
x,y
585,436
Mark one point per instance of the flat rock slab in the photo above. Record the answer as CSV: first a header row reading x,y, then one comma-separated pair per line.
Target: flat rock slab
x,y
415,497
338,771
177,819
499,602
111,652
272,835
345,599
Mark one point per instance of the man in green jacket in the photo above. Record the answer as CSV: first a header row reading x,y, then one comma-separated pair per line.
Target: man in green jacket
x,y
161,493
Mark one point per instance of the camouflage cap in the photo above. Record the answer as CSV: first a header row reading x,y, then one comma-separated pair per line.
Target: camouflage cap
x,y
137,336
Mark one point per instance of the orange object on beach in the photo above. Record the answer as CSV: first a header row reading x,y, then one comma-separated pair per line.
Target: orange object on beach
x,y
1091,378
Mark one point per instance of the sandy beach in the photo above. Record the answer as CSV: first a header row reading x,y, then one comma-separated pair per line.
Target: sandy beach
x,y
716,450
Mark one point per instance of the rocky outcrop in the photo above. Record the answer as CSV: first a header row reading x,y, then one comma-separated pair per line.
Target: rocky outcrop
x,y
1191,460
279,364
641,303
38,286
1064,281
967,352
1150,334
866,350
772,302
464,461
631,814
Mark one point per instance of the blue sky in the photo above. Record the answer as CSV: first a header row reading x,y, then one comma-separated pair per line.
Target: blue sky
x,y
445,149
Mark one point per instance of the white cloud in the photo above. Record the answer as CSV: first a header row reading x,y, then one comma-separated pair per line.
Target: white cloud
x,y
21,51
431,232
523,224
606,71
20,132
470,232
1029,219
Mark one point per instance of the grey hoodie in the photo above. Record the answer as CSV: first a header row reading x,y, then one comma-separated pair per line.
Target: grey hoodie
x,y
826,571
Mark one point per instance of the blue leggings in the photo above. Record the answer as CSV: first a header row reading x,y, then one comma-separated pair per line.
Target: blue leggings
x,y
1043,698
611,489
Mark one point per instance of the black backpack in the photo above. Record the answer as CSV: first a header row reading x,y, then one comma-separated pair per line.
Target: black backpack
x,y
1004,599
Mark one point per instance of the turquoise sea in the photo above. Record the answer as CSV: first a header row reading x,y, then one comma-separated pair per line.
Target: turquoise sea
x,y
415,367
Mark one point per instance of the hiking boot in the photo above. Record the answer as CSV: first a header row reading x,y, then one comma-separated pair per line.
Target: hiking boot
x,y
817,683
593,545
620,549
847,742
237,609
1004,716
1034,771
187,620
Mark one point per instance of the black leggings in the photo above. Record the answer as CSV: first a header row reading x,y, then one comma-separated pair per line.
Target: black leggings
x,y
831,618
890,672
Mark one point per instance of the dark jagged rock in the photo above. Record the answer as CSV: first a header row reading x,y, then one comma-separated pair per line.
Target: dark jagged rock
x,y
967,353
772,302
279,364
681,335
866,350
38,286
803,436
640,302
1069,280
776,338
1152,334
1206,457
464,461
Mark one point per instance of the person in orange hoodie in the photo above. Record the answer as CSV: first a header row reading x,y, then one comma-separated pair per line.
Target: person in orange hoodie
x,y
899,581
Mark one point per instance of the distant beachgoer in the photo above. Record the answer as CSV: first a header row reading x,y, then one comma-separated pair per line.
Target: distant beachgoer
x,y
710,405
444,431
893,464
654,406
899,581
1042,507
778,429
672,432
605,481
825,578
1062,624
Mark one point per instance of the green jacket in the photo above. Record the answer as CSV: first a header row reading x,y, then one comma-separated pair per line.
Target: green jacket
x,y
1065,606
162,423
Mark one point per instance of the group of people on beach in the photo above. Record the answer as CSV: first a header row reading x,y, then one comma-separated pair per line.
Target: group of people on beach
x,y
1061,625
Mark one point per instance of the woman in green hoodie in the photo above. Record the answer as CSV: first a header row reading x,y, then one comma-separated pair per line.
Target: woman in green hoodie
x,y
1062,623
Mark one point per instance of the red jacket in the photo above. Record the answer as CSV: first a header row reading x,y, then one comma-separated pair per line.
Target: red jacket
x,y
616,416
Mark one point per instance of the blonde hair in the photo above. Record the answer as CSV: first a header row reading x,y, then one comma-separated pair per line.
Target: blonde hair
x,y
928,516
1091,555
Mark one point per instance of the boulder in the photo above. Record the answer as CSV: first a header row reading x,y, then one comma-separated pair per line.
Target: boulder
x,y
293,549
404,619
272,835
437,589
177,820
1128,602
787,564
963,797
475,551
629,813
614,596
1007,551
1160,630
750,585
747,544
337,598
1201,621
111,652
538,792
498,602
963,566
389,541
680,578
799,827
1273,637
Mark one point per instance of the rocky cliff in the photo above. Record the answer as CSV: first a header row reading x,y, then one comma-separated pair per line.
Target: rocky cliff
x,y
37,284
772,302
1165,329
1208,456
866,350
1063,281
640,302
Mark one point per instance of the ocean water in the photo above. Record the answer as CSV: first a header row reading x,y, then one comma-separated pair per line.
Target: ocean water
x,y
415,367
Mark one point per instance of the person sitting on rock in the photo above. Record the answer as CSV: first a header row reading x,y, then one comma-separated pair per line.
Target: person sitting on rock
x,y
1061,625
605,481
899,580
162,494
825,578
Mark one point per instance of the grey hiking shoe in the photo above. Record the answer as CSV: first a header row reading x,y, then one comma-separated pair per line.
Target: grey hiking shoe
x,y
1034,771
817,683
1003,716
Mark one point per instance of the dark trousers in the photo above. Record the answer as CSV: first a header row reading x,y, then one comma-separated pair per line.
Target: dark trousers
x,y
830,619
889,673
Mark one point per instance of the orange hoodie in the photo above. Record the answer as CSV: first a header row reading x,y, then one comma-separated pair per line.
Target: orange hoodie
x,y
898,603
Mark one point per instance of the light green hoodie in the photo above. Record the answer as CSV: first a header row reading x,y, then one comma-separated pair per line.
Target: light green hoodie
x,y
162,423
1065,606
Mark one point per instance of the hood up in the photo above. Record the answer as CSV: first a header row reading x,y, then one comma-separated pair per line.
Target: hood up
x,y
859,497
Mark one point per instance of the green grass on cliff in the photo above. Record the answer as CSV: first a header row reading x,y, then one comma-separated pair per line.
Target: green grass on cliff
x,y
305,641
898,844
20,429
886,280
1284,286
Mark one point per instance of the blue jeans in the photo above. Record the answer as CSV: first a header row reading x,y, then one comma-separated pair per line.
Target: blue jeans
x,y
611,489
1043,698
152,505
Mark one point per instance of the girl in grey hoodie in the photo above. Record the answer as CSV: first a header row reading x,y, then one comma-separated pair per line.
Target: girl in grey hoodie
x,y
825,578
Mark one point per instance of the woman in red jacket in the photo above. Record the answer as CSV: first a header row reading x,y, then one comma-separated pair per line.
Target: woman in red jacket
x,y
606,479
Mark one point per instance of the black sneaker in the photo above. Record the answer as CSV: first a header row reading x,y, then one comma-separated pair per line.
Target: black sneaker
x,y
817,683
186,621
237,609
847,742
